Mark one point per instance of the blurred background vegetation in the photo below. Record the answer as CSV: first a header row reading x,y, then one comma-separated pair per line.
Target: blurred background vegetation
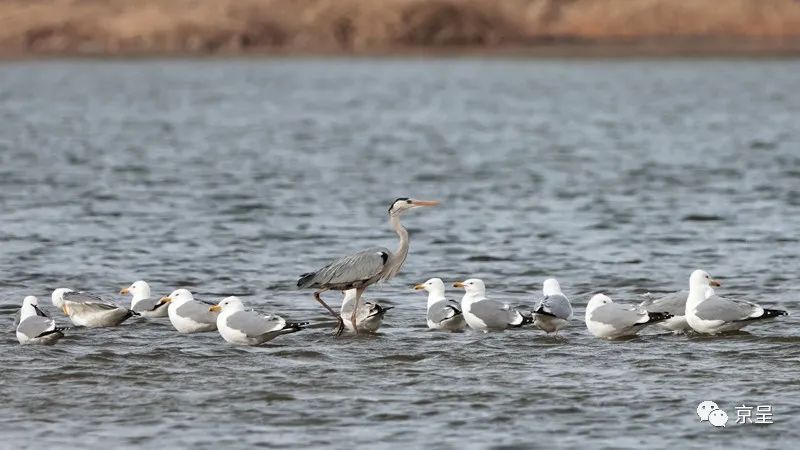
x,y
559,27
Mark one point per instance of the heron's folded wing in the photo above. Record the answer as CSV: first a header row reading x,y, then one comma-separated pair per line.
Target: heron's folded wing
x,y
356,267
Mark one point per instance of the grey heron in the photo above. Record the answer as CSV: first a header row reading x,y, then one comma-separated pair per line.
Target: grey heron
x,y
362,269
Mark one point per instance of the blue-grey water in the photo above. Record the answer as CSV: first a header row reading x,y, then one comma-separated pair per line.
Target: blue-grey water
x,y
234,177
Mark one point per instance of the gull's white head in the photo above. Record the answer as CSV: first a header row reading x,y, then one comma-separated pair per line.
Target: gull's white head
x,y
550,287
58,297
597,301
474,287
403,204
178,297
29,306
231,303
434,286
139,290
700,281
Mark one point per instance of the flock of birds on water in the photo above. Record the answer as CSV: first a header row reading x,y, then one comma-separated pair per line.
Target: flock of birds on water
x,y
698,310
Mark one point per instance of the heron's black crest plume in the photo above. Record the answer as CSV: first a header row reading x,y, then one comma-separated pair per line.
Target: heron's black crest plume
x,y
399,199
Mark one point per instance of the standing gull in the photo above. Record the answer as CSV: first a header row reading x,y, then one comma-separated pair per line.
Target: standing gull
x,y
362,269
239,326
89,310
369,317
717,314
443,314
189,315
554,311
609,320
35,326
142,303
484,314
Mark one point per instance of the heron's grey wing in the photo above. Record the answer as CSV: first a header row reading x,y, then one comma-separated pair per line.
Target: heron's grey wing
x,y
619,316
673,303
491,312
442,310
253,324
196,311
556,305
360,266
720,308
88,298
35,326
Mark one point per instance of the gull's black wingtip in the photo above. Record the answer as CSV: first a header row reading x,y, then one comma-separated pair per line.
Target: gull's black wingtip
x,y
659,317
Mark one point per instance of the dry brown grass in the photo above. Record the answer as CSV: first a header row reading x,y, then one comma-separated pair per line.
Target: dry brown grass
x,y
130,27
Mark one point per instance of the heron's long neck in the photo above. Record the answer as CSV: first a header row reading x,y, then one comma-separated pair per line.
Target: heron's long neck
x,y
399,256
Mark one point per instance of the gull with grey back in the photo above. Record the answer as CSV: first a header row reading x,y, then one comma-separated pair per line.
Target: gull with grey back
x,y
362,269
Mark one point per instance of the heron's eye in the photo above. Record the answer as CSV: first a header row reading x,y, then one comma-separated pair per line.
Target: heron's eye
x,y
408,201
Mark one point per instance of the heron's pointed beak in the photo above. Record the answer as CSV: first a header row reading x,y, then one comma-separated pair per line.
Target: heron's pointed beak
x,y
419,287
424,202
458,284
714,283
166,299
124,290
215,308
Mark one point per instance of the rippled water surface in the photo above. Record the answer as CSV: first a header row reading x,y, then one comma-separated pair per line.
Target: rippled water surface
x,y
233,177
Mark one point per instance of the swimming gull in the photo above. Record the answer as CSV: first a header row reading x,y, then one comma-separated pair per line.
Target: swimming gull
x,y
35,326
443,314
239,326
142,303
90,310
609,320
554,311
370,314
484,314
189,315
717,314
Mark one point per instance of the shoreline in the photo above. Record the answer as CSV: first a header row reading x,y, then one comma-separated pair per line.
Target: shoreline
x,y
740,49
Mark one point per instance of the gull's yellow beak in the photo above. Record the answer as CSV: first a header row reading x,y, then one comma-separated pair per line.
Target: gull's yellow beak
x,y
166,299
216,308
458,284
419,287
424,202
124,291
714,283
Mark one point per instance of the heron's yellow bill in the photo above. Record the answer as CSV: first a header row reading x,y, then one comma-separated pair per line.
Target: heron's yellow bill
x,y
424,202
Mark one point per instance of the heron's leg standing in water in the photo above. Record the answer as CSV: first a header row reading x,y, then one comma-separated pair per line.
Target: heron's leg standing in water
x,y
359,291
339,321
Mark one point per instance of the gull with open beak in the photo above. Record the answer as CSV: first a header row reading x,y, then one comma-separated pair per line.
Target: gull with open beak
x,y
189,315
443,314
484,314
141,301
715,314
360,270
242,327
